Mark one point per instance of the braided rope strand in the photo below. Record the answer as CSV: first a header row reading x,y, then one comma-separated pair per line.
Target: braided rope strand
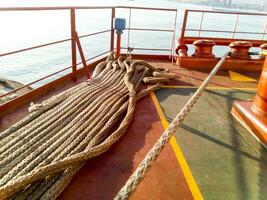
x,y
130,186
40,154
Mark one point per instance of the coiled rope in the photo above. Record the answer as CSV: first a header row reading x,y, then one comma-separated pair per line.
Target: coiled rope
x,y
130,186
40,154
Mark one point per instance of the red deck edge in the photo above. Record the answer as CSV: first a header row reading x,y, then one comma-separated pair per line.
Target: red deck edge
x,y
221,41
150,56
252,65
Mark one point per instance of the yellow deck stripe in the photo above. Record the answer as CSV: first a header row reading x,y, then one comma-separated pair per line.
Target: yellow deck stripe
x,y
240,77
210,88
178,153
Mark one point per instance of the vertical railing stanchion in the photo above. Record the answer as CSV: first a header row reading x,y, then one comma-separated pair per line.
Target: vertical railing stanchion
x,y
118,46
184,27
113,13
129,30
201,23
173,37
236,22
73,43
82,55
264,32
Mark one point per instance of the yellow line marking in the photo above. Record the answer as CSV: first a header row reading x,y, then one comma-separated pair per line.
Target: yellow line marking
x,y
209,88
159,110
240,77
178,154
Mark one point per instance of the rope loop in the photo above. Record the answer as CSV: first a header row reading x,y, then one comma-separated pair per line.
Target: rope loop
x,y
41,153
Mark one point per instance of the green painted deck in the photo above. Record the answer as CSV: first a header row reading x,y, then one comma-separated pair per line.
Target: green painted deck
x,y
225,163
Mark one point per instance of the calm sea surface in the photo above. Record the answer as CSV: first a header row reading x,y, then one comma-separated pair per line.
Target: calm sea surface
x,y
25,29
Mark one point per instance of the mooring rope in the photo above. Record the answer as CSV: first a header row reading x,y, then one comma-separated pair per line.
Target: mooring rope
x,y
130,186
40,154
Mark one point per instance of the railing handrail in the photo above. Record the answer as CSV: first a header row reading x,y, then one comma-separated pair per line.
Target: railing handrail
x,y
226,12
147,8
53,8
52,43
34,47
50,75
77,7
221,31
75,38
149,29
233,32
80,8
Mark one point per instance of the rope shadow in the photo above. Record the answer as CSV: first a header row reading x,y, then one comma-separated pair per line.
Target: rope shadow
x,y
109,171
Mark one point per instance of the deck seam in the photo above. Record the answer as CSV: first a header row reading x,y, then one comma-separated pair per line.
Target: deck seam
x,y
190,180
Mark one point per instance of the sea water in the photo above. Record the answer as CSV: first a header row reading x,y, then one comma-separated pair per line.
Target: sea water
x,y
23,29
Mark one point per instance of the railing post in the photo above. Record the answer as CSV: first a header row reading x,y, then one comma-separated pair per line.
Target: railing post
x,y
235,25
118,47
201,23
183,27
173,36
73,43
129,30
264,32
112,29
86,70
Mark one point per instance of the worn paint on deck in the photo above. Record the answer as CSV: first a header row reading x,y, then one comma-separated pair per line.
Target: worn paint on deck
x,y
179,154
225,165
216,156
102,177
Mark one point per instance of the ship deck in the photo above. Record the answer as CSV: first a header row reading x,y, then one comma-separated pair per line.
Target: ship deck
x,y
211,155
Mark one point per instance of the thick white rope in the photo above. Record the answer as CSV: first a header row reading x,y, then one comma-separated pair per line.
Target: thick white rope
x,y
41,153
130,186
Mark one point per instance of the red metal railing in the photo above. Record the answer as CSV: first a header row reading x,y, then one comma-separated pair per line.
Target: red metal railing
x,y
173,31
75,42
185,39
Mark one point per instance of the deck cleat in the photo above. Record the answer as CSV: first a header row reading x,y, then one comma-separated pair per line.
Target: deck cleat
x,y
203,48
240,49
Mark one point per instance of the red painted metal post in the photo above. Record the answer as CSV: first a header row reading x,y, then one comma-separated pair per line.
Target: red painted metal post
x,y
112,29
82,55
118,48
260,100
236,22
200,25
181,43
73,43
183,27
